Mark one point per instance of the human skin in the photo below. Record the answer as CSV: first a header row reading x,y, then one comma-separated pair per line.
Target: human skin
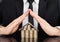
x,y
13,26
47,28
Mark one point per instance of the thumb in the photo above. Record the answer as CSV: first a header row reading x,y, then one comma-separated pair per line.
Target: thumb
x,y
31,13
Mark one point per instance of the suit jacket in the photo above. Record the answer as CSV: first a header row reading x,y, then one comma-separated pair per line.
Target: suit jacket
x,y
11,9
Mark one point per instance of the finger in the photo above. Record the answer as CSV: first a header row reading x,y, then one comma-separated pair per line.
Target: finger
x,y
13,26
34,15
26,13
16,27
18,20
40,20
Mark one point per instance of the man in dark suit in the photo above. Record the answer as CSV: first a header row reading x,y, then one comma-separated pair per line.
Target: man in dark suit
x,y
11,9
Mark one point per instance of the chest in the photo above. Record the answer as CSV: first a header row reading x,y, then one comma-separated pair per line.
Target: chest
x,y
12,9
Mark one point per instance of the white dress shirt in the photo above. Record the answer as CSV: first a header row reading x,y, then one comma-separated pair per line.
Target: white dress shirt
x,y
35,5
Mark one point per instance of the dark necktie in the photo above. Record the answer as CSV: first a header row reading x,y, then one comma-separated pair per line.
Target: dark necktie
x,y
30,7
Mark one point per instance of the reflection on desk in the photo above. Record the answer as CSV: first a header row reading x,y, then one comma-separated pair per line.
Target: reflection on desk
x,y
55,39
7,39
29,40
11,39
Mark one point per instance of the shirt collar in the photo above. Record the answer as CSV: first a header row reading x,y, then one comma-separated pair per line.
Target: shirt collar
x,y
36,1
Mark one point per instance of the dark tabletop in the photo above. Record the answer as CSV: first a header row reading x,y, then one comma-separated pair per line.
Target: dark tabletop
x,y
12,39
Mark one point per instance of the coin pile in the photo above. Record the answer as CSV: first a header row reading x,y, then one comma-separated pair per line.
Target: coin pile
x,y
28,34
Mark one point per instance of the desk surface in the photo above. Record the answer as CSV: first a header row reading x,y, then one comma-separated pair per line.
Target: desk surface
x,y
11,39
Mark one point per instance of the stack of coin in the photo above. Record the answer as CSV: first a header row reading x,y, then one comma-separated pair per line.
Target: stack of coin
x,y
28,34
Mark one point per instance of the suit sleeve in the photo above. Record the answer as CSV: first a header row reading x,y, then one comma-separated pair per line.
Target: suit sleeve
x,y
0,12
59,19
59,12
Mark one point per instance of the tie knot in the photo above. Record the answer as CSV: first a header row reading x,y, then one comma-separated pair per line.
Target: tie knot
x,y
30,1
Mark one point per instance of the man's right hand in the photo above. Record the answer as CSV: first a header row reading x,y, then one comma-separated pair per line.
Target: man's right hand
x,y
13,26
